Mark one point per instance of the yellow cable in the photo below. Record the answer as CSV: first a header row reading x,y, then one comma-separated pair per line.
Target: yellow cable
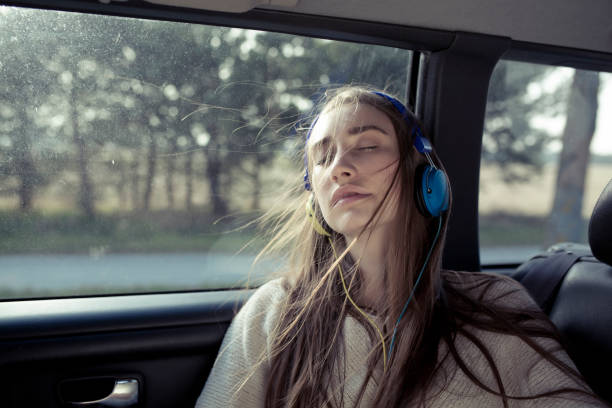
x,y
382,338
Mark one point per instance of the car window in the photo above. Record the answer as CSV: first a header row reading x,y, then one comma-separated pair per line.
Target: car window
x,y
134,153
546,157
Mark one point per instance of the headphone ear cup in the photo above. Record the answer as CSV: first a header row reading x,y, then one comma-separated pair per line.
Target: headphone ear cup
x,y
310,213
432,193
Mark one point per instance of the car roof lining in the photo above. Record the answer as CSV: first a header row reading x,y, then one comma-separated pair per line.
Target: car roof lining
x,y
583,25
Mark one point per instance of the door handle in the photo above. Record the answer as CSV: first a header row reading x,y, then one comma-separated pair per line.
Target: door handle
x,y
124,394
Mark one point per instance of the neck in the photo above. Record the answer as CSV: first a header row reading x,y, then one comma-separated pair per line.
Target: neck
x,y
370,252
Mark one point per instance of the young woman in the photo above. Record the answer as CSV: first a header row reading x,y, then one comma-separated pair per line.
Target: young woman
x,y
365,316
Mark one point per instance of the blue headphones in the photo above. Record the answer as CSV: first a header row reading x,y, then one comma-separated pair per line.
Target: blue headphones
x,y
432,192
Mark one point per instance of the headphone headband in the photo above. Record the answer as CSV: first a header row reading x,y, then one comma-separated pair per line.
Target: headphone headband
x,y
420,142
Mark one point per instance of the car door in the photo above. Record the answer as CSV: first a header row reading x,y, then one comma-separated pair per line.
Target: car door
x,y
153,349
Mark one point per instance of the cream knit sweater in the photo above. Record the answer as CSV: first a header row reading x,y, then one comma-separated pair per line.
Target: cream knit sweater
x,y
237,380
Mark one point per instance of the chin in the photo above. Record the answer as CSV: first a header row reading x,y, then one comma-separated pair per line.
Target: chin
x,y
353,229
350,229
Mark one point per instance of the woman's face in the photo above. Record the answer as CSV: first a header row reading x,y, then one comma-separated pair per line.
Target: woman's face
x,y
353,154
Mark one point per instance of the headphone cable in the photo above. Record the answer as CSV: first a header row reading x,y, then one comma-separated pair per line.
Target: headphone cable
x,y
416,283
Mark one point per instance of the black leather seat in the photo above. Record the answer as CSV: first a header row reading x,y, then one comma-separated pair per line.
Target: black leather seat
x,y
580,304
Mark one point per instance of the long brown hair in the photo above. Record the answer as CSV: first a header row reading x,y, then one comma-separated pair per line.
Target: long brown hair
x,y
301,364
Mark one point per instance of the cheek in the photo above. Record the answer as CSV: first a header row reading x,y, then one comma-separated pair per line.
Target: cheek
x,y
320,187
316,180
387,176
381,165
394,192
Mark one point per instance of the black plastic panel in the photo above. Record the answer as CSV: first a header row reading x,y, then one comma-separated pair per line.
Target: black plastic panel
x,y
455,94
56,317
559,56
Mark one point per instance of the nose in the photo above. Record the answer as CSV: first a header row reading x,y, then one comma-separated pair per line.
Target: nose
x,y
342,169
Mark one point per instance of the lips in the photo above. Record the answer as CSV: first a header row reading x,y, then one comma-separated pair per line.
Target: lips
x,y
346,194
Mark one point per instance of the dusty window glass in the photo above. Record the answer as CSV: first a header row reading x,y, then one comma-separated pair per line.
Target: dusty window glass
x,y
546,157
131,150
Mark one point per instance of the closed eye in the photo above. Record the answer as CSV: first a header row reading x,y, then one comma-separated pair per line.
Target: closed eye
x,y
326,159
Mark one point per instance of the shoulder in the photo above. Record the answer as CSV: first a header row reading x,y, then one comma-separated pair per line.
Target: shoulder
x,y
491,288
273,290
238,376
260,313
249,334
268,297
495,308
514,336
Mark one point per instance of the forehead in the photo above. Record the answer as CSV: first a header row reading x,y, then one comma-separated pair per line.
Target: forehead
x,y
345,120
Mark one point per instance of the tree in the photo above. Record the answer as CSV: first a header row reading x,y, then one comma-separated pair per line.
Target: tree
x,y
82,86
566,222
219,98
515,98
22,92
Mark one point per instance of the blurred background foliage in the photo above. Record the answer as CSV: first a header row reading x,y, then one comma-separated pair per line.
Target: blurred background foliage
x,y
110,127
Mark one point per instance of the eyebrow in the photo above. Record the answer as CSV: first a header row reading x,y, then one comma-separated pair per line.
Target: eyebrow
x,y
352,131
360,129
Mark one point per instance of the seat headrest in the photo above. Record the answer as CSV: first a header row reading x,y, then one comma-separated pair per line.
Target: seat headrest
x,y
600,227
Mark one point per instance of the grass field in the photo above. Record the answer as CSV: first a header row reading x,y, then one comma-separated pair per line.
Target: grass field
x,y
163,231
535,197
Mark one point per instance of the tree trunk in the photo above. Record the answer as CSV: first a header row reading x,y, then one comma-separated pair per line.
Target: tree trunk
x,y
189,180
566,223
86,187
151,163
213,172
170,167
27,172
121,186
135,184
24,166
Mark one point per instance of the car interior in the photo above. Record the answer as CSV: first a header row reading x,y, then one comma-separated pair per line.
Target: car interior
x,y
156,348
